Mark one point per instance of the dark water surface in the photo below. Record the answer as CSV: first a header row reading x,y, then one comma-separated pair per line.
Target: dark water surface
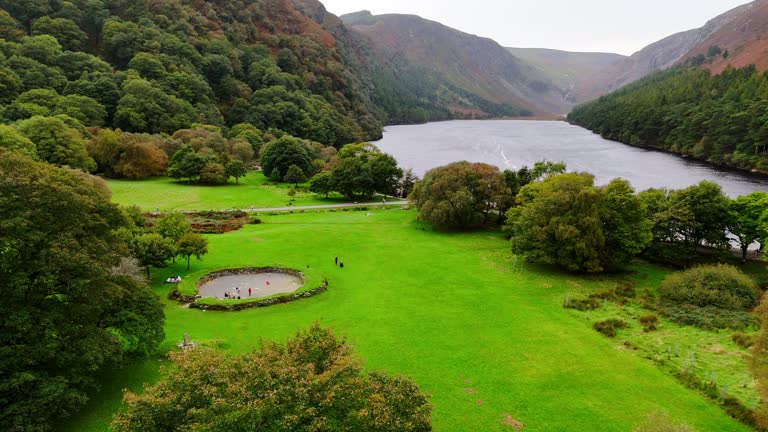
x,y
514,143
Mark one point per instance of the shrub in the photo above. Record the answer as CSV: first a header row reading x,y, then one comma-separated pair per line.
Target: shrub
x,y
717,286
608,327
743,340
583,304
649,322
708,318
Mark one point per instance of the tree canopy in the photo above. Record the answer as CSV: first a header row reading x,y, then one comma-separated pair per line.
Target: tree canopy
x,y
158,68
68,309
567,220
461,195
297,386
717,118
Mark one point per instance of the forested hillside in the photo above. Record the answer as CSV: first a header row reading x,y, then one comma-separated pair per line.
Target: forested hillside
x,y
158,67
436,71
721,119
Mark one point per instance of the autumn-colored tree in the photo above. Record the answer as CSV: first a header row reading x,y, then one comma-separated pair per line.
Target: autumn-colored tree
x,y
140,160
312,383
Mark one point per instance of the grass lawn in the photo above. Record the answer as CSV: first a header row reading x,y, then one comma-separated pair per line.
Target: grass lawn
x,y
447,309
167,194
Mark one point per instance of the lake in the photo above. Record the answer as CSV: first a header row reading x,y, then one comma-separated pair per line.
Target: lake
x,y
510,144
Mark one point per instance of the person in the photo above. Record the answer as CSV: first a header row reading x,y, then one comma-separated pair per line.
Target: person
x,y
268,284
341,264
337,260
250,290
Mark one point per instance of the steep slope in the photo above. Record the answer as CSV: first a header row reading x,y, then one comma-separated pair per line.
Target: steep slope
x,y
565,69
741,41
476,76
161,66
657,56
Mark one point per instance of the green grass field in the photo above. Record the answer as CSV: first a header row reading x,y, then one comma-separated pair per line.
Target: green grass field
x,y
167,194
446,309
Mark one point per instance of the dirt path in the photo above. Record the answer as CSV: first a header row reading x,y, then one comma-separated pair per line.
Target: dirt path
x,y
324,206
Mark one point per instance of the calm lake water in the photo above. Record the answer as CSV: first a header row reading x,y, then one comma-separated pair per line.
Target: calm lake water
x,y
514,143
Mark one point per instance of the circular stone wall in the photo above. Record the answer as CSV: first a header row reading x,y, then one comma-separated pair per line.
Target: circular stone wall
x,y
262,283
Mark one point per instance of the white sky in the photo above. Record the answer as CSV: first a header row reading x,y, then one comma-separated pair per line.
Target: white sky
x,y
620,26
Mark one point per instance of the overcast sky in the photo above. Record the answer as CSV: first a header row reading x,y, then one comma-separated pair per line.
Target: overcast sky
x,y
620,26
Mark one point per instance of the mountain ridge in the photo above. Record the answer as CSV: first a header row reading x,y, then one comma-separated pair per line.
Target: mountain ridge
x,y
660,55
467,62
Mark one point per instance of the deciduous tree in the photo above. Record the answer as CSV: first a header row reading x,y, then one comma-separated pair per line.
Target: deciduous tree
x,y
236,168
460,195
57,143
294,175
192,244
293,387
69,308
567,221
153,250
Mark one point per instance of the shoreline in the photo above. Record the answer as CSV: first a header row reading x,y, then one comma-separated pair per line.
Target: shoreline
x,y
724,167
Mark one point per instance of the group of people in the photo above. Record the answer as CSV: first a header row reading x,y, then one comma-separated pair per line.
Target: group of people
x,y
173,279
235,294
339,263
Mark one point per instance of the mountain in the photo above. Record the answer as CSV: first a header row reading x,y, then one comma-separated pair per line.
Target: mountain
x,y
566,69
741,40
472,76
660,55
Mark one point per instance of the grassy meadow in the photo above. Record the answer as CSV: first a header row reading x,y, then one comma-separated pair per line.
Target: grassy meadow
x,y
167,194
489,342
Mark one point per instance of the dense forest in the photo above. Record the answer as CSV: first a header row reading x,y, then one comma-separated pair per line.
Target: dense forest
x,y
720,118
157,67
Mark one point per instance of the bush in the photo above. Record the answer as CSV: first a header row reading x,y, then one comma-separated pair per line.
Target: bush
x,y
649,322
608,327
718,286
708,318
743,340
582,304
